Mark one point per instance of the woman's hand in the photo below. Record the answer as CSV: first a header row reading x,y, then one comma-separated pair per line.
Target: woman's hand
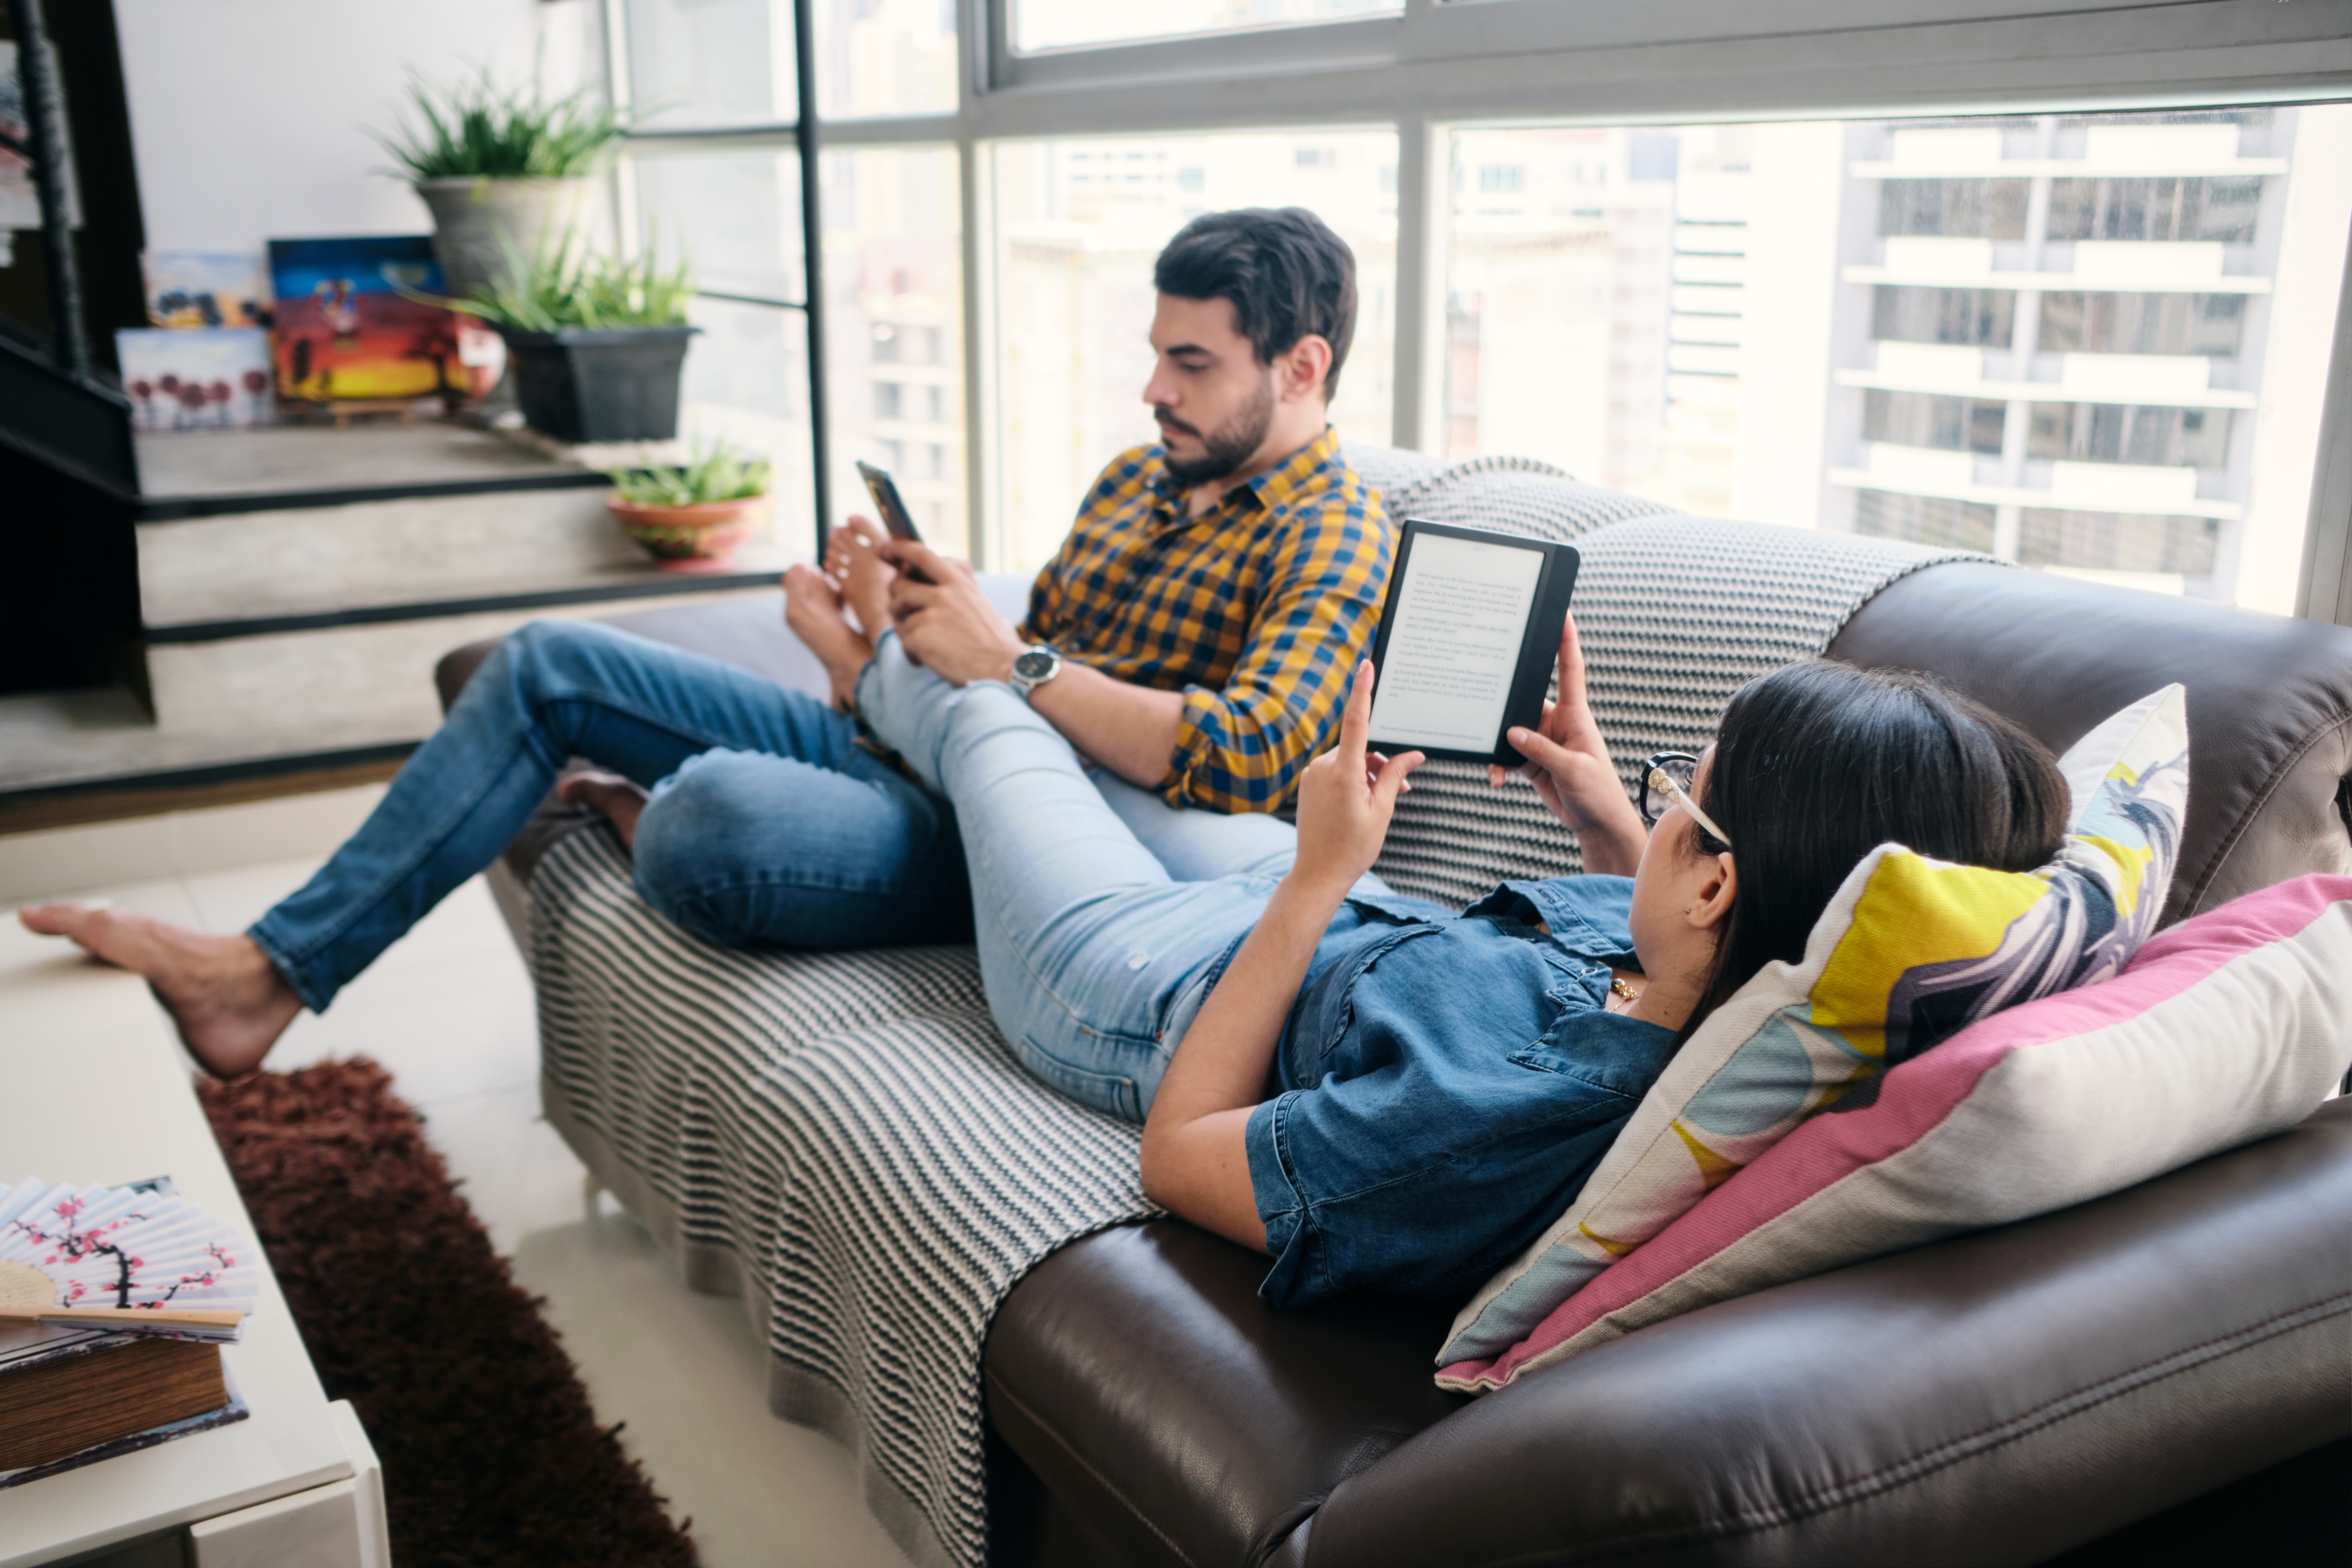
x,y
1346,797
1568,764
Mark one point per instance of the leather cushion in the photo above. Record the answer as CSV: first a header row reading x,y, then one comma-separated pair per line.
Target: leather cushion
x,y
1181,1418
2270,701
1999,1397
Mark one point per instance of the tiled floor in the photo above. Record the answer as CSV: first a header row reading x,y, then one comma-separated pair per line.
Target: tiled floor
x,y
448,1009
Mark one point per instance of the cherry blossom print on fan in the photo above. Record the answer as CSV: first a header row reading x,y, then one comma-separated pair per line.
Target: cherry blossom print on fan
x,y
129,1247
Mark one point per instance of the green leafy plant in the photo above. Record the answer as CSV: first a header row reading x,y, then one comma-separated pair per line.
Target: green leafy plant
x,y
712,472
568,284
481,130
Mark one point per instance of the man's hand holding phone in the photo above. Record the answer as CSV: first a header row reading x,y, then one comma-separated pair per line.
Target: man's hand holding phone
x,y
945,620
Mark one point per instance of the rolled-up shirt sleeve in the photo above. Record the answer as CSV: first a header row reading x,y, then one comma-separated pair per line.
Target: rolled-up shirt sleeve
x,y
1240,747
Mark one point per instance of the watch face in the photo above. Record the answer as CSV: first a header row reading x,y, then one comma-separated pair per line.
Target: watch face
x,y
1033,665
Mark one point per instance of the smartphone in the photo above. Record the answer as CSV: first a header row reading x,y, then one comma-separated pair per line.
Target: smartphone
x,y
885,491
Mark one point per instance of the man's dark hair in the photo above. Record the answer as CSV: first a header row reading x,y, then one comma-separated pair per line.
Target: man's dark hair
x,y
1287,274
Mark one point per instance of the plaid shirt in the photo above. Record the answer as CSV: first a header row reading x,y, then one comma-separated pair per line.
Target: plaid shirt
x,y
1257,610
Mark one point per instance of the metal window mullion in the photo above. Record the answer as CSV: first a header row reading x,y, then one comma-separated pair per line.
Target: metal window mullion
x,y
2324,590
1418,381
812,260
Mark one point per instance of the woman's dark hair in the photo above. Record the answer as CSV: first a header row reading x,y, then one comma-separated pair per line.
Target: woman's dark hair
x,y
1818,764
1287,274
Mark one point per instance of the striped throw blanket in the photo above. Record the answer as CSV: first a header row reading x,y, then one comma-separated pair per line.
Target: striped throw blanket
x,y
844,1141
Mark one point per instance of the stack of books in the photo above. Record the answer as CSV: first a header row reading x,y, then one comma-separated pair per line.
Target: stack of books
x,y
114,1303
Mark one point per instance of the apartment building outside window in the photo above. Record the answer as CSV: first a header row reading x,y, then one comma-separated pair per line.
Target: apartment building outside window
x,y
2055,335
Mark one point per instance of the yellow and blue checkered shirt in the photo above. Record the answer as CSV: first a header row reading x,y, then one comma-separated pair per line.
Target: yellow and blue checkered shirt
x,y
1257,610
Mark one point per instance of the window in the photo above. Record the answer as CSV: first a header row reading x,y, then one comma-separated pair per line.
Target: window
x,y
1972,209
1077,226
2212,325
1925,419
2130,432
1729,318
1924,519
1060,24
2218,210
2182,547
894,305
1975,318
1874,325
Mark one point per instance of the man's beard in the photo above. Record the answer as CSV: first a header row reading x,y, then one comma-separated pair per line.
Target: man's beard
x,y
1231,445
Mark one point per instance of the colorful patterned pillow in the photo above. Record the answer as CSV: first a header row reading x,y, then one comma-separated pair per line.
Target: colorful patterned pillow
x,y
2226,1028
1909,951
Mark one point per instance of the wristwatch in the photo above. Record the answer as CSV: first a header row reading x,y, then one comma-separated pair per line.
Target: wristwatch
x,y
1033,667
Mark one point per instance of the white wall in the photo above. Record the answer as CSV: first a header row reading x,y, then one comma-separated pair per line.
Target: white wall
x,y
246,116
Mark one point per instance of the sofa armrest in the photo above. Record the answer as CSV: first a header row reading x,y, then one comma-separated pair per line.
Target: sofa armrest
x,y
1995,1398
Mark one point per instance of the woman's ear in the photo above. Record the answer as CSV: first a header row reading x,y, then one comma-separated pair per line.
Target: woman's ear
x,y
1716,894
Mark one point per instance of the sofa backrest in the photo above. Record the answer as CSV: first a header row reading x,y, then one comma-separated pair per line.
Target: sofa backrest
x,y
1678,612
2270,701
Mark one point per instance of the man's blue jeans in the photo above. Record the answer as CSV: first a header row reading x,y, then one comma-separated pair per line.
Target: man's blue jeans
x,y
767,822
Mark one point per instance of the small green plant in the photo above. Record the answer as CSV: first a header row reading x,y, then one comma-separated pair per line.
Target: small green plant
x,y
712,472
477,128
567,284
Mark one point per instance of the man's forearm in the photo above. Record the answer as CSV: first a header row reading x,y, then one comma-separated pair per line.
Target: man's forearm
x,y
1130,730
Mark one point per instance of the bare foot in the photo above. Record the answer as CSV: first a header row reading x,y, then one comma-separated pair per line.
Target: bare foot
x,y
620,800
229,1001
812,610
853,558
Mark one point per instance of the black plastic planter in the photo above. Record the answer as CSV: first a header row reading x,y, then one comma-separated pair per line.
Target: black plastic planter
x,y
599,384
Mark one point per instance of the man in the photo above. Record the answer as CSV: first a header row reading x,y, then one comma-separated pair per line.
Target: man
x,y
1194,637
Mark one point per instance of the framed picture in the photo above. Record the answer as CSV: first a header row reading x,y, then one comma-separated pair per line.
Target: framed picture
x,y
348,321
191,289
207,378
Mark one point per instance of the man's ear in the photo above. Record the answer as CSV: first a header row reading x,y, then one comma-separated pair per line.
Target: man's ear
x,y
1716,894
1299,370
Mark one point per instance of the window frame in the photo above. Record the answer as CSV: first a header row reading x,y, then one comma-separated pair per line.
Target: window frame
x,y
1439,65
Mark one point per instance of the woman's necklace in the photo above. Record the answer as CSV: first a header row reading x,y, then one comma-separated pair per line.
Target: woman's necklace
x,y
1625,992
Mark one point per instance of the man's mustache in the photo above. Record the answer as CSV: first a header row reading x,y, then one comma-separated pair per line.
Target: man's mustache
x,y
1167,421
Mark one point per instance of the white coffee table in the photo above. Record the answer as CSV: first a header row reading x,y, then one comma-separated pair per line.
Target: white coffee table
x,y
294,1485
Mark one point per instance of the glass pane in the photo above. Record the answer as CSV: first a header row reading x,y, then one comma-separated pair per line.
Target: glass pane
x,y
893,315
886,56
747,384
1062,24
1078,224
2048,336
711,62
737,214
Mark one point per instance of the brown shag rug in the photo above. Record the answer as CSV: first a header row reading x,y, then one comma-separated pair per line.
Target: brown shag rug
x,y
492,1457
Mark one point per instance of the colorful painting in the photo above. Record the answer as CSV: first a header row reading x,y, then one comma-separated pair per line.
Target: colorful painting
x,y
208,378
190,288
348,324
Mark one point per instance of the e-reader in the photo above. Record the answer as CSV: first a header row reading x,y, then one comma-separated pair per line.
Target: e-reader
x,y
1467,640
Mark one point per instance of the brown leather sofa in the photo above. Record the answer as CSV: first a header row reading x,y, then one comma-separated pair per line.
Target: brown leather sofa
x,y
2165,1372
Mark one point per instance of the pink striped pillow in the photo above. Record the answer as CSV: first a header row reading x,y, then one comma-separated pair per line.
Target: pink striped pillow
x,y
2226,1028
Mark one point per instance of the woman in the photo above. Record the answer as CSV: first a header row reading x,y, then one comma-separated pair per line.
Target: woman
x,y
1377,1091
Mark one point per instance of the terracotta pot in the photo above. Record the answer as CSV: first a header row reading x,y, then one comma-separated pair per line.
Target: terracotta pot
x,y
702,537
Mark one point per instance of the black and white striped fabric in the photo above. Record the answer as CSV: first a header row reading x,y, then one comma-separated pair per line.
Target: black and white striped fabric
x,y
843,1140
1675,613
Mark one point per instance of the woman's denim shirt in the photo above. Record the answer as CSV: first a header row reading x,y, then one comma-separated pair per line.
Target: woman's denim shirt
x,y
1448,1084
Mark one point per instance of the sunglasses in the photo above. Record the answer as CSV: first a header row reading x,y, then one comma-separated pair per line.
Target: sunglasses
x,y
1665,785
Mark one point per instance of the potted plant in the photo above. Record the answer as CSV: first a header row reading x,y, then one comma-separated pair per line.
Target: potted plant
x,y
501,168
694,516
597,343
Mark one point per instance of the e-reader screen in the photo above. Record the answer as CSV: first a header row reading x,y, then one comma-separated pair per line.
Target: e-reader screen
x,y
1458,653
